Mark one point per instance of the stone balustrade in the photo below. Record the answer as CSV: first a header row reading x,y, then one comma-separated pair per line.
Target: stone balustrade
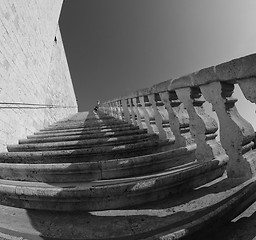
x,y
175,109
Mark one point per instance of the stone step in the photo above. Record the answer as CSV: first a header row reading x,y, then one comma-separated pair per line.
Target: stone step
x,y
92,129
81,131
113,141
79,136
96,153
85,125
175,217
87,120
108,194
88,171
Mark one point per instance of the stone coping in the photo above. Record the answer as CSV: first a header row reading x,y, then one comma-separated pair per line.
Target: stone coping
x,y
236,69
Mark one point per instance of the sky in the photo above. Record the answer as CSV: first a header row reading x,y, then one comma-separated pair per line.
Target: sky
x,y
115,47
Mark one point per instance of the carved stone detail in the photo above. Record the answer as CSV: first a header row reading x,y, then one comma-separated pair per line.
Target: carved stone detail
x,y
115,109
137,113
126,111
236,134
141,113
119,110
248,87
111,112
146,114
203,127
133,115
178,118
158,118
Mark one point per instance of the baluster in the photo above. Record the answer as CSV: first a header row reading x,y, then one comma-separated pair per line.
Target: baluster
x,y
157,117
158,111
154,117
203,127
132,112
236,134
141,113
248,87
126,111
110,109
106,108
145,104
137,113
178,118
119,110
165,117
102,107
129,110
114,109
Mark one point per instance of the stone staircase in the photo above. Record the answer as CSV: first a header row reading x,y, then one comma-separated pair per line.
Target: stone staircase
x,y
146,166
95,177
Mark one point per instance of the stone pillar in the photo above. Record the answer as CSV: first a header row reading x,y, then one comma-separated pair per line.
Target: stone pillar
x,y
134,122
107,108
203,128
126,111
141,113
157,117
119,110
145,104
236,134
111,109
178,118
137,113
248,87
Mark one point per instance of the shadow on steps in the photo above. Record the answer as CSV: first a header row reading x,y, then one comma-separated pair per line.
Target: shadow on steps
x,y
135,222
140,222
241,228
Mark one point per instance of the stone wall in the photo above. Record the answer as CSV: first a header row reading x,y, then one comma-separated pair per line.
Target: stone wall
x,y
35,83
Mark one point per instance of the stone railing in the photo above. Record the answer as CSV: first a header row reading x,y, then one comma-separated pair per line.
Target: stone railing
x,y
175,109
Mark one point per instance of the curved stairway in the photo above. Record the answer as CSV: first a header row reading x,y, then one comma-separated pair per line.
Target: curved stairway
x,y
95,177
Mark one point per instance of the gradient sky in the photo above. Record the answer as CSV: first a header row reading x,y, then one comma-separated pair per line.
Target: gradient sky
x,y
118,46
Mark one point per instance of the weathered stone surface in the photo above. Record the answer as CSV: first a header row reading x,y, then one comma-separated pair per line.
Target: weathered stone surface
x,y
146,116
33,69
80,144
79,136
236,134
178,119
157,118
154,186
240,68
173,217
203,128
248,87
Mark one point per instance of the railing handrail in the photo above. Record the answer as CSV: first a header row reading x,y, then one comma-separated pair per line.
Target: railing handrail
x,y
236,69
176,109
